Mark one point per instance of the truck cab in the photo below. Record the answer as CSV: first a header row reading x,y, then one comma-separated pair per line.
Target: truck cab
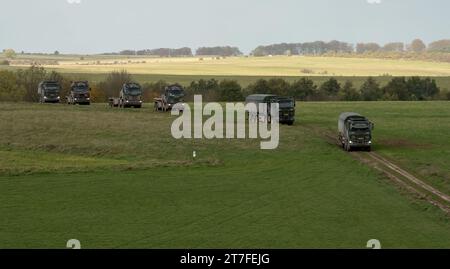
x,y
131,95
49,92
171,99
173,95
286,107
79,93
355,131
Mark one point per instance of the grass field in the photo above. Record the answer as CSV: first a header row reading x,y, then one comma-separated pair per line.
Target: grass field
x,y
116,178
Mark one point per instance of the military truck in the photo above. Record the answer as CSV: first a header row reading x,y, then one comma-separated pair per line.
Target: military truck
x,y
48,92
171,99
286,108
355,131
80,93
130,96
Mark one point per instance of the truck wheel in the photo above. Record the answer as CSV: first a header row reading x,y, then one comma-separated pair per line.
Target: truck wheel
x,y
348,148
369,149
290,123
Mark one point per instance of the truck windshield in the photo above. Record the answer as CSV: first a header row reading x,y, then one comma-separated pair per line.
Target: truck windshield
x,y
80,89
133,91
360,127
51,87
286,103
176,92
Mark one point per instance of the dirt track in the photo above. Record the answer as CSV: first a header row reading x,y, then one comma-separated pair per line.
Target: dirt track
x,y
395,173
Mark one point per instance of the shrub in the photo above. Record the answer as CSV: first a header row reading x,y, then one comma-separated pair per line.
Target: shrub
x,y
10,90
330,87
303,89
370,90
349,92
230,91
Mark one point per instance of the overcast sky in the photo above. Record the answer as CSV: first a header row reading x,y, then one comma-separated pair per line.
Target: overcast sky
x,y
95,26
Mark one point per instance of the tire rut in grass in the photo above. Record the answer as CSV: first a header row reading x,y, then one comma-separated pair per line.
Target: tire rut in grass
x,y
394,172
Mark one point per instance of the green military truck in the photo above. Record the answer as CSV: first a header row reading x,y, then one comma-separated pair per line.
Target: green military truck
x,y
355,131
49,92
80,93
130,96
286,108
171,99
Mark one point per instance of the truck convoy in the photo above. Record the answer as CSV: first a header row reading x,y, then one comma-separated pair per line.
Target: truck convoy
x,y
48,92
355,131
286,106
171,99
130,96
79,93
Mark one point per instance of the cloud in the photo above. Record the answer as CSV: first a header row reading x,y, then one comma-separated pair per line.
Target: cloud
x,y
74,2
372,2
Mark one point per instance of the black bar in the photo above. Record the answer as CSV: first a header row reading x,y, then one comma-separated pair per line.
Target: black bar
x,y
229,258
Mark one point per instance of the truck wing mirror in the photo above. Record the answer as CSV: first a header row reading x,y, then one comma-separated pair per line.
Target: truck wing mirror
x,y
372,126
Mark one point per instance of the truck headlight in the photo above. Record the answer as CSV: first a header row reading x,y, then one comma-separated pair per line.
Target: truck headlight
x,y
59,97
370,142
45,97
351,142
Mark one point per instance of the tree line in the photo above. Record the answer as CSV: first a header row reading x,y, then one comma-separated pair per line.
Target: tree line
x,y
219,51
436,50
225,51
321,47
160,52
21,85
416,50
307,48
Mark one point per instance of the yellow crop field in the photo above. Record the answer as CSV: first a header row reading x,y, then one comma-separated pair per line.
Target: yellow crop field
x,y
253,66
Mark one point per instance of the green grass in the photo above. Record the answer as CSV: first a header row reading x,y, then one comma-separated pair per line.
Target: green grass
x,y
116,178
414,134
